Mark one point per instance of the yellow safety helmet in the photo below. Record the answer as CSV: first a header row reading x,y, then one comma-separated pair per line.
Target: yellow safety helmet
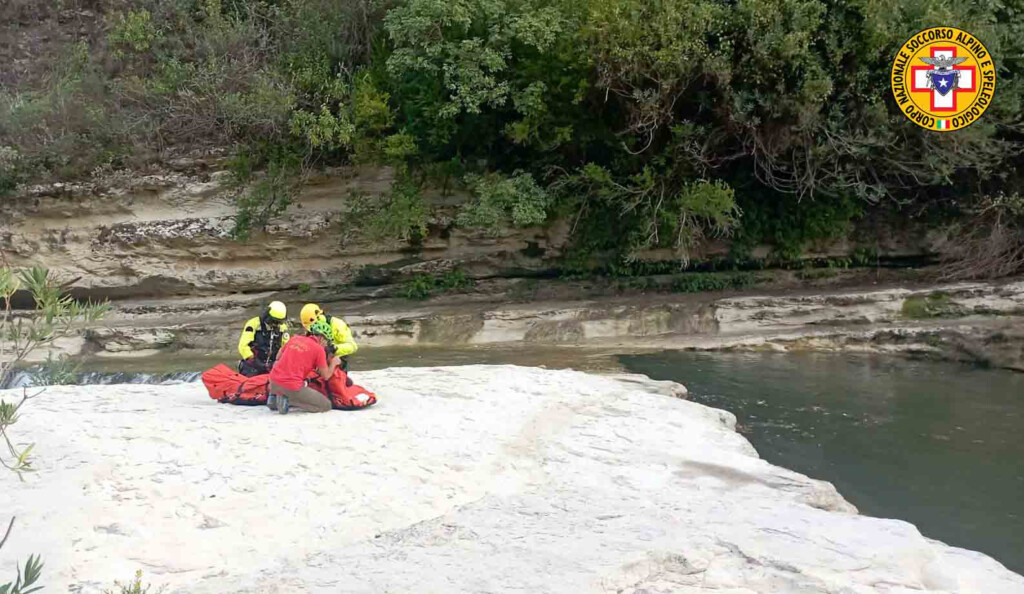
x,y
310,313
277,310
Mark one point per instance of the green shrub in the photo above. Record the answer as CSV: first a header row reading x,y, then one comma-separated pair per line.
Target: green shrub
x,y
56,372
266,196
9,159
425,286
696,282
775,129
132,587
60,127
469,49
323,130
398,214
419,287
133,32
634,268
865,257
501,200
453,280
934,305
654,207
782,222
375,140
56,316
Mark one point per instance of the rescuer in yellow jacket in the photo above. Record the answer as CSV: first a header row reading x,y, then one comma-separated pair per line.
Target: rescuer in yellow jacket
x,y
341,335
261,338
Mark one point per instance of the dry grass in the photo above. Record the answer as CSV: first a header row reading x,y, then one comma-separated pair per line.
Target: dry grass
x,y
990,244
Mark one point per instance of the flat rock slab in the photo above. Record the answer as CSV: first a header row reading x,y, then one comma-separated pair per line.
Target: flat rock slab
x,y
462,479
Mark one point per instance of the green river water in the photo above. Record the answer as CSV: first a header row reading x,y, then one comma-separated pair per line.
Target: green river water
x,y
936,444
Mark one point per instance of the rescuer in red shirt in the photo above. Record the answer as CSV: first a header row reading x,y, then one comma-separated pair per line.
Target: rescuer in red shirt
x,y
298,358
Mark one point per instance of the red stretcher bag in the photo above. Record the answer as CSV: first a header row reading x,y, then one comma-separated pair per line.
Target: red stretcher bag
x,y
344,394
227,385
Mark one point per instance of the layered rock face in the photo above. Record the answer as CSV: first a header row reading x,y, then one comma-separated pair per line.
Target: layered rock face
x,y
131,235
161,246
483,479
171,234
971,322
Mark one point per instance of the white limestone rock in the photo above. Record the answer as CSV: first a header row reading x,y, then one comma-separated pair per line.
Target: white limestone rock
x,y
462,479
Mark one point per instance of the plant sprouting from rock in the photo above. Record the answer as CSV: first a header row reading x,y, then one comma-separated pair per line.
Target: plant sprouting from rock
x,y
266,195
398,214
54,317
499,200
25,582
56,371
14,457
671,210
134,586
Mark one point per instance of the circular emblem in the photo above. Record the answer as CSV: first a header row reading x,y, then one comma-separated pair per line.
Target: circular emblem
x,y
943,79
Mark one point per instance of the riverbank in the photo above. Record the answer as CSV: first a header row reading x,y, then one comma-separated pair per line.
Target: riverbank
x,y
159,244
930,443
977,323
496,478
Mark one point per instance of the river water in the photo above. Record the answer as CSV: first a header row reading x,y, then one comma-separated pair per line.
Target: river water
x,y
176,368
936,444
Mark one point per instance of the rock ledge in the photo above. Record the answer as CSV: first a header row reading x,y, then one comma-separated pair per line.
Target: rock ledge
x,y
462,479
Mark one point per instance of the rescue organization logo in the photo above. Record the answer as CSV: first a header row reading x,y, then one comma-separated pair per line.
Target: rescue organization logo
x,y
943,79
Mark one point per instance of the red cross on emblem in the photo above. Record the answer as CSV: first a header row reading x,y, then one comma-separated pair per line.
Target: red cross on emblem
x,y
925,79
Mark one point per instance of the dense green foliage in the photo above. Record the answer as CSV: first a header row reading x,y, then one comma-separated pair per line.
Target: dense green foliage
x,y
425,286
648,123
715,281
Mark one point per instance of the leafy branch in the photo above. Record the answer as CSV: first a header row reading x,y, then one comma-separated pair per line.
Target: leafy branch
x,y
23,584
17,459
56,314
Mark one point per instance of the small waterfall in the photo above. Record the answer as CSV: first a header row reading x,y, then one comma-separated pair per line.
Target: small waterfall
x,y
164,379
25,378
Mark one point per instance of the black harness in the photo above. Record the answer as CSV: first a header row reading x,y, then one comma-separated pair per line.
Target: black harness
x,y
266,341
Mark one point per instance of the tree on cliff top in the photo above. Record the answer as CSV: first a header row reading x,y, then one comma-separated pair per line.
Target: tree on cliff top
x,y
665,121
